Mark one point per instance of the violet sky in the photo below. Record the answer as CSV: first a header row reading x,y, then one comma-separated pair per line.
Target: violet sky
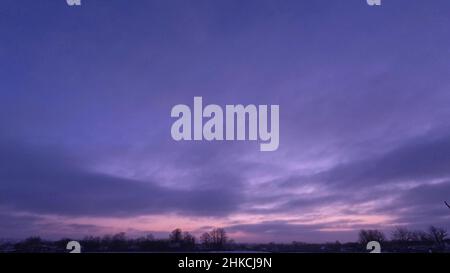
x,y
86,94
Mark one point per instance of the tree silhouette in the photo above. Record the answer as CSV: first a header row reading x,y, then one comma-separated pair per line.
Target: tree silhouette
x,y
215,239
419,236
205,239
219,238
176,236
438,236
31,244
366,236
402,235
182,240
188,241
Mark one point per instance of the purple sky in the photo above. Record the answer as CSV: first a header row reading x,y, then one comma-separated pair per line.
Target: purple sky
x,y
86,94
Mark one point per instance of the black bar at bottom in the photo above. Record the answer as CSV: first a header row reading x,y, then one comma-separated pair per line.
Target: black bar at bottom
x,y
219,262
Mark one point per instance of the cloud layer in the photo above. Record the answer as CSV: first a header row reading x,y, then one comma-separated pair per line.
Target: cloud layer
x,y
85,103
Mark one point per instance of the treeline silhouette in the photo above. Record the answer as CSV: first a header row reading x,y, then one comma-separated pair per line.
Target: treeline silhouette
x,y
405,240
215,240
401,240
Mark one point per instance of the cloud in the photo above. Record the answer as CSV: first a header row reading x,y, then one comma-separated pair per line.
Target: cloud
x,y
42,180
409,183
421,206
17,225
419,159
284,231
348,126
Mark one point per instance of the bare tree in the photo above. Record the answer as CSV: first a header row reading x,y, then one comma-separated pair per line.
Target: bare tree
x,y
419,236
188,240
218,238
205,239
366,236
438,235
176,236
402,235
